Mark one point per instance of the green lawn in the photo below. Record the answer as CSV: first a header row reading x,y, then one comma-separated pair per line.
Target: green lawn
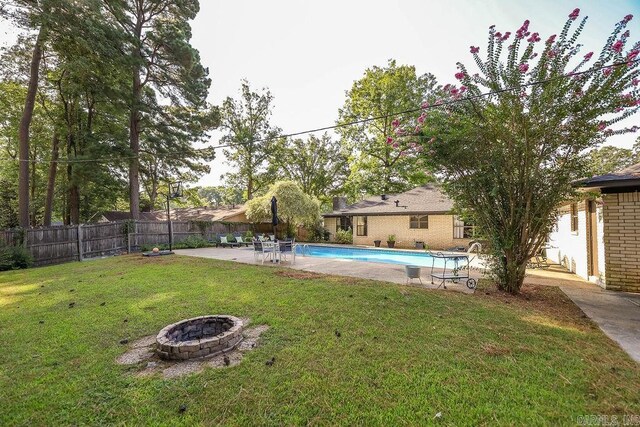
x,y
404,354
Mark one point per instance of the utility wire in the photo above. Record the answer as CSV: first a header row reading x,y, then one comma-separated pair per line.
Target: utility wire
x,y
352,123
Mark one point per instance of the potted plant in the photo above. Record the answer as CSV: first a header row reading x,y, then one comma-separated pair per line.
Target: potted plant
x,y
391,240
377,243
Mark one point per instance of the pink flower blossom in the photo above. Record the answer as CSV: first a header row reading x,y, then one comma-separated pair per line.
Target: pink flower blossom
x,y
421,118
574,15
551,39
454,91
506,36
416,130
607,71
617,110
535,37
617,46
400,131
463,89
635,82
395,123
498,35
395,145
425,105
601,126
459,75
389,140
632,55
552,53
474,49
627,18
521,33
588,56
523,68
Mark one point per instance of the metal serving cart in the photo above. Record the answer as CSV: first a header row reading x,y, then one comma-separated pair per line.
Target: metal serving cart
x,y
456,269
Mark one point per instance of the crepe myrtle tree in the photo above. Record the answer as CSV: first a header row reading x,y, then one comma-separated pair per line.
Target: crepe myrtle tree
x,y
294,206
509,158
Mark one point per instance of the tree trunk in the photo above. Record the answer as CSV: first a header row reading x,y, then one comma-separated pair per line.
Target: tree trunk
x,y
512,271
33,184
134,145
51,182
25,123
250,188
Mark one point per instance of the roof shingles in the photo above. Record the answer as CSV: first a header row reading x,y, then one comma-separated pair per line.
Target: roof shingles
x,y
421,200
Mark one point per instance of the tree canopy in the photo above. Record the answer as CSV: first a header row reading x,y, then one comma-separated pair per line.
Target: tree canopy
x,y
381,158
294,206
510,158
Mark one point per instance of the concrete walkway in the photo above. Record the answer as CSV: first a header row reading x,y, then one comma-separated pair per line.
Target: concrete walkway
x,y
616,313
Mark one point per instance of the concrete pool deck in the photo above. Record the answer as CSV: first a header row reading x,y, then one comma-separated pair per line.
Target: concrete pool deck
x,y
339,267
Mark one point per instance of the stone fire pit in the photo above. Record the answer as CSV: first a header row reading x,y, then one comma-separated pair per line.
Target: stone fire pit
x,y
199,337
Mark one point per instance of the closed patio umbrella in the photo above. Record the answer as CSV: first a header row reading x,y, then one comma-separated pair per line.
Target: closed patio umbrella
x,y
274,213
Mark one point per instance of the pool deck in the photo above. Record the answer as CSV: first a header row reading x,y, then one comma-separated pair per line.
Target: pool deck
x,y
364,270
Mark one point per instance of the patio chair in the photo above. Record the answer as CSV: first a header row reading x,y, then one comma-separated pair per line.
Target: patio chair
x,y
287,249
272,237
224,242
241,241
262,251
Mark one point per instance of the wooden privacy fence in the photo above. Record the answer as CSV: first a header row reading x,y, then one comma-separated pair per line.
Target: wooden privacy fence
x,y
53,245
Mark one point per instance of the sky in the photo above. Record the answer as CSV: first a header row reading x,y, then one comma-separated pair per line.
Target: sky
x,y
309,53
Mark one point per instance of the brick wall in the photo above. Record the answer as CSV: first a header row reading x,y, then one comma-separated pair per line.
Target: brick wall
x,y
439,235
622,241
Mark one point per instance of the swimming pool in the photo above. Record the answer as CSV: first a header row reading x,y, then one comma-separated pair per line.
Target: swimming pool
x,y
421,259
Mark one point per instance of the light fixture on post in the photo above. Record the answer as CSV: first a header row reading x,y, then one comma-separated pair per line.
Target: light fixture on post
x,y
175,192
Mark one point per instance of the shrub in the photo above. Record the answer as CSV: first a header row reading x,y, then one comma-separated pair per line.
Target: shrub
x,y
318,233
391,238
248,235
231,238
14,257
344,236
192,242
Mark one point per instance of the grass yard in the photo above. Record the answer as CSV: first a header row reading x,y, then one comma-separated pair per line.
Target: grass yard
x,y
403,355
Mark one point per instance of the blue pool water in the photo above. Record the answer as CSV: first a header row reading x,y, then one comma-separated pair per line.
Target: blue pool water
x,y
372,255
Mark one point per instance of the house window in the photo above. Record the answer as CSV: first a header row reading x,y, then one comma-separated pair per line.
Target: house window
x,y
419,221
574,218
361,226
462,230
343,223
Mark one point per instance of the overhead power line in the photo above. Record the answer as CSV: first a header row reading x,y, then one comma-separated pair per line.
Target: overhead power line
x,y
354,122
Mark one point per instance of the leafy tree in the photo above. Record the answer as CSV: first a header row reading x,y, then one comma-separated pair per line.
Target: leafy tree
x,y
221,195
294,206
510,158
382,158
250,138
162,63
317,165
608,159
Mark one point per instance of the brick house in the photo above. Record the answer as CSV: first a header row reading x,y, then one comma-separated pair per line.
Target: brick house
x,y
599,239
423,214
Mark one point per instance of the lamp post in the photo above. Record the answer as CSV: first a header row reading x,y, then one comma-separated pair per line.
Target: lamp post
x,y
175,192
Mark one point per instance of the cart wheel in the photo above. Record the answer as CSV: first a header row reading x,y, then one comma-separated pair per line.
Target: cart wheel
x,y
471,283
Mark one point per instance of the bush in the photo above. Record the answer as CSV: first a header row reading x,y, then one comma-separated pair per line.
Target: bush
x,y
192,242
318,233
248,235
344,236
14,257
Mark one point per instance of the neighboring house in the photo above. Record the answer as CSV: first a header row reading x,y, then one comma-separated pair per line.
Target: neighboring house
x,y
599,239
221,213
419,215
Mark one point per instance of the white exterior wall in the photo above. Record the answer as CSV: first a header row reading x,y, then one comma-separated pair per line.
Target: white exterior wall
x,y
570,248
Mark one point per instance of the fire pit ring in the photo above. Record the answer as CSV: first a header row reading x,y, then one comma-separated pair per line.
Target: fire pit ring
x,y
198,337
